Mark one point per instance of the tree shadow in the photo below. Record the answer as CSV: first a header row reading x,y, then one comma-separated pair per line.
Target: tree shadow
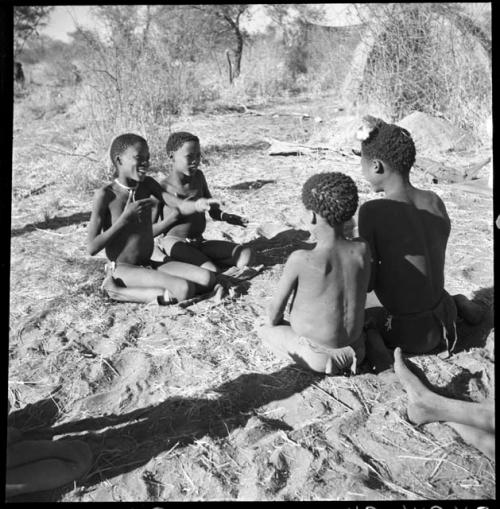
x,y
42,414
277,249
148,432
53,223
459,387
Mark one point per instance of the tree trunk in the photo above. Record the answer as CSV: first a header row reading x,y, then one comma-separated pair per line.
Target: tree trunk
x,y
229,66
237,54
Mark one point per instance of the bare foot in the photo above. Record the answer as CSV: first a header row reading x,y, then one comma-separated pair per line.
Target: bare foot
x,y
420,399
470,311
219,292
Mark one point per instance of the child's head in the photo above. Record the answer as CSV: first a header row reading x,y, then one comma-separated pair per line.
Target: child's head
x,y
333,196
184,150
388,144
129,154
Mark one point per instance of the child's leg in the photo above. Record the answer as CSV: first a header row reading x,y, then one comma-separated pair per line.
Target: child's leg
x,y
285,344
227,253
425,405
36,465
378,355
204,279
132,294
470,311
185,252
482,440
143,283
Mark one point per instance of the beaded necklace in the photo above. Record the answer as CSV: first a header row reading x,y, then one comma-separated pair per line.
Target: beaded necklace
x,y
131,190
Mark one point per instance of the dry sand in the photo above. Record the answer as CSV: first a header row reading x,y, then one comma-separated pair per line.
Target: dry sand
x,y
185,403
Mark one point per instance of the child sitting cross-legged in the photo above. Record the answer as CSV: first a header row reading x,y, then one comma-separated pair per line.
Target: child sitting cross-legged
x,y
408,230
327,285
126,216
186,184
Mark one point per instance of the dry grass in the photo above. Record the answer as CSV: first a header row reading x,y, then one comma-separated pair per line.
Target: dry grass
x,y
185,403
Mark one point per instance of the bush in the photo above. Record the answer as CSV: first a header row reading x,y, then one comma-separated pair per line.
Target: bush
x,y
421,61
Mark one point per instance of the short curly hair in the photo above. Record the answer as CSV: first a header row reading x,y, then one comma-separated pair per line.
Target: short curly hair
x,y
122,142
332,195
389,143
176,140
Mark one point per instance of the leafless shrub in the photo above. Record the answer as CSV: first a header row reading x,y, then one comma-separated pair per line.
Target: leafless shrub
x,y
422,59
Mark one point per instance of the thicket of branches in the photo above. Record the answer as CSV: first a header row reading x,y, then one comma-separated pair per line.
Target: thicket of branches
x,y
428,57
161,60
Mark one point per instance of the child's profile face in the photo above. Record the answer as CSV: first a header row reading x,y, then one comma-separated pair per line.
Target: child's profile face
x,y
186,159
133,162
308,221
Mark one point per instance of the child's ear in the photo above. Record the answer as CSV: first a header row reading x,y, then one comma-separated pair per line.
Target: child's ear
x,y
378,166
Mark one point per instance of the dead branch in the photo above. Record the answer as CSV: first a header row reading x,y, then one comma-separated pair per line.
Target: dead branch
x,y
64,153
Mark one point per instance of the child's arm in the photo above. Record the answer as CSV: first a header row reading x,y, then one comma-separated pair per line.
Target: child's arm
x,y
185,207
162,225
216,213
96,241
366,231
287,284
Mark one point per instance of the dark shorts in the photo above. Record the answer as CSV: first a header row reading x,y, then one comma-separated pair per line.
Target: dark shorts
x,y
410,331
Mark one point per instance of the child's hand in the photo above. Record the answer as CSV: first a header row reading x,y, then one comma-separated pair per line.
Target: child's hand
x,y
134,209
204,204
234,219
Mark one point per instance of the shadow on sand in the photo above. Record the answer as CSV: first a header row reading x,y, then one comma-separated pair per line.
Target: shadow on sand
x,y
53,223
475,336
148,432
275,250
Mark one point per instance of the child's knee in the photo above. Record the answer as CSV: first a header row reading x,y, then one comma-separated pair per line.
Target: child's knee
x,y
209,279
183,290
210,266
264,333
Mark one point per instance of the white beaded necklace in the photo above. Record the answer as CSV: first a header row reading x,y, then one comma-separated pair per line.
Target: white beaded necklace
x,y
131,190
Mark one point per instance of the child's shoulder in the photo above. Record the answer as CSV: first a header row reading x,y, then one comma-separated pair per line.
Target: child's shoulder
x,y
430,200
199,174
298,256
360,246
373,204
369,211
105,192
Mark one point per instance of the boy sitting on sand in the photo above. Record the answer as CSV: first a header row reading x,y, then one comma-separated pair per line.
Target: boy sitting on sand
x,y
407,231
184,241
328,284
124,221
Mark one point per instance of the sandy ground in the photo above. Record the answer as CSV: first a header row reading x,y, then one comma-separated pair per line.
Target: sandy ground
x,y
185,403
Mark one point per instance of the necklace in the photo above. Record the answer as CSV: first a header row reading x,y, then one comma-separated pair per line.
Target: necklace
x,y
131,190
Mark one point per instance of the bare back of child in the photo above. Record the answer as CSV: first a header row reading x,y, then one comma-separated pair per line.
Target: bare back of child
x,y
408,232
124,221
186,182
328,283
